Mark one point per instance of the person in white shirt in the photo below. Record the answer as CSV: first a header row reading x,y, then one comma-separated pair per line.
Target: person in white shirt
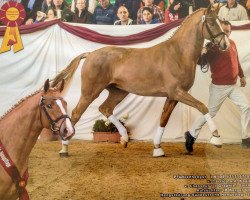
x,y
232,11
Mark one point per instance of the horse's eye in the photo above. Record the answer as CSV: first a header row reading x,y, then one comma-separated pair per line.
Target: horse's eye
x,y
49,106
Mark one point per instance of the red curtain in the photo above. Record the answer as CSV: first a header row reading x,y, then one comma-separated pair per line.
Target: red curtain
x,y
94,36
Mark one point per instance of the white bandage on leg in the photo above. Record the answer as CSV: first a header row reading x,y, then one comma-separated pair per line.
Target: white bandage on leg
x,y
122,130
65,142
158,136
210,122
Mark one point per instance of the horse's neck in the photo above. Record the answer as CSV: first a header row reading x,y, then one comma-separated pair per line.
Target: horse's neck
x,y
189,39
20,129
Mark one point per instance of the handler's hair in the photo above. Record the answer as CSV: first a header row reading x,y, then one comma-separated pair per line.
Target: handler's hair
x,y
225,22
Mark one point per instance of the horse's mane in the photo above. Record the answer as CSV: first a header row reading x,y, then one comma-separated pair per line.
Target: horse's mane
x,y
185,20
18,103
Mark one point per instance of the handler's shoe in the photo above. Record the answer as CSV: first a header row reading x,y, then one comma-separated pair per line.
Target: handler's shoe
x,y
245,144
189,142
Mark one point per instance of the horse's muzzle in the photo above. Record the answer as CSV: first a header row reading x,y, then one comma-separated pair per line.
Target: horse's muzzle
x,y
67,133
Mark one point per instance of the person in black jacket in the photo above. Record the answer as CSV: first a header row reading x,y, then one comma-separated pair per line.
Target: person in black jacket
x,y
82,15
31,8
181,7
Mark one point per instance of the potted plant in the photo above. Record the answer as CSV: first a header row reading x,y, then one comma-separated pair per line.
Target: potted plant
x,y
105,131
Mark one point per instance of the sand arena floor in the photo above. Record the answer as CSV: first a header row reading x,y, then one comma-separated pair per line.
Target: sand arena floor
x,y
107,171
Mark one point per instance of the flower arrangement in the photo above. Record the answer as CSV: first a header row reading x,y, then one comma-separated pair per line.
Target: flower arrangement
x,y
102,125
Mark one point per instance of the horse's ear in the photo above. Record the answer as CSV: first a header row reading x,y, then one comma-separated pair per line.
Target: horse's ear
x,y
61,86
216,7
46,86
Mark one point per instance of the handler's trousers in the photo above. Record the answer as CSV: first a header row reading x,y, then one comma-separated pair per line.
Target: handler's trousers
x,y
218,94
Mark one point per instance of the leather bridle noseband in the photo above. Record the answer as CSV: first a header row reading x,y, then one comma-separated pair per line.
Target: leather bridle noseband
x,y
52,122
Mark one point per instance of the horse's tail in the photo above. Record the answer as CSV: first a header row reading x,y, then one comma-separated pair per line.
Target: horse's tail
x,y
68,72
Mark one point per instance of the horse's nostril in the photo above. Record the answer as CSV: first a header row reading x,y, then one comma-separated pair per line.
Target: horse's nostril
x,y
65,131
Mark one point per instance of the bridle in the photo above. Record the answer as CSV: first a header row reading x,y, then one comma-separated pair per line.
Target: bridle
x,y
212,36
52,122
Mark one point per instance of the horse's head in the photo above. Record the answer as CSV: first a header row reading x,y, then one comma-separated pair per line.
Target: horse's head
x,y
53,108
212,29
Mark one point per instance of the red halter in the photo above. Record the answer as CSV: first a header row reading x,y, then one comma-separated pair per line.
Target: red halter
x,y
11,169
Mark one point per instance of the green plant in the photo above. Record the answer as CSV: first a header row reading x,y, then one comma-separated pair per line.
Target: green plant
x,y
101,126
106,126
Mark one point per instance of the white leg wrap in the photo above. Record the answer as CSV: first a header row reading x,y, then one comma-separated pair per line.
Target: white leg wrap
x,y
158,136
210,122
216,141
65,142
158,152
122,130
64,149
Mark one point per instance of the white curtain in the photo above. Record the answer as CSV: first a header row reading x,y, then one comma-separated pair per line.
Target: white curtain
x,y
49,51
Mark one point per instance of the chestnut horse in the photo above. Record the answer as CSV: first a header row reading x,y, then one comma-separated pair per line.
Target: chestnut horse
x,y
164,70
19,130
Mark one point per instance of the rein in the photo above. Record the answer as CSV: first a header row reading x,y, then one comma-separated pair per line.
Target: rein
x,y
203,61
12,171
52,122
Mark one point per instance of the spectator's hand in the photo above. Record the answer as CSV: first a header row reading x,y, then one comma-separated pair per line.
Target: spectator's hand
x,y
29,21
243,82
203,51
177,6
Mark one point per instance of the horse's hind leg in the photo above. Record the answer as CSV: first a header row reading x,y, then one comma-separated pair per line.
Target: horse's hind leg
x,y
186,98
115,97
167,110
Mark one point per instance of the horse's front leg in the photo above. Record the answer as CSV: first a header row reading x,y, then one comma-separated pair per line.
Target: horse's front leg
x,y
167,110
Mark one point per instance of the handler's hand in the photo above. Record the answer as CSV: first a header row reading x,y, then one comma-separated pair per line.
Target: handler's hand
x,y
243,82
177,6
203,51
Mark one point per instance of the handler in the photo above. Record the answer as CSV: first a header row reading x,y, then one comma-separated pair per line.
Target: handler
x,y
225,68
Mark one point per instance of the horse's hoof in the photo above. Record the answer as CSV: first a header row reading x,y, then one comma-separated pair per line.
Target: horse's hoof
x,y
245,143
158,153
123,143
216,141
189,142
64,154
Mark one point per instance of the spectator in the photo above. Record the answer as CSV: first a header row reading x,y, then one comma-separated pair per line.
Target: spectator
x,y
123,15
248,8
82,15
92,5
132,6
158,14
62,10
197,4
225,68
180,7
147,16
46,5
104,13
232,11
170,17
51,15
159,3
31,7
